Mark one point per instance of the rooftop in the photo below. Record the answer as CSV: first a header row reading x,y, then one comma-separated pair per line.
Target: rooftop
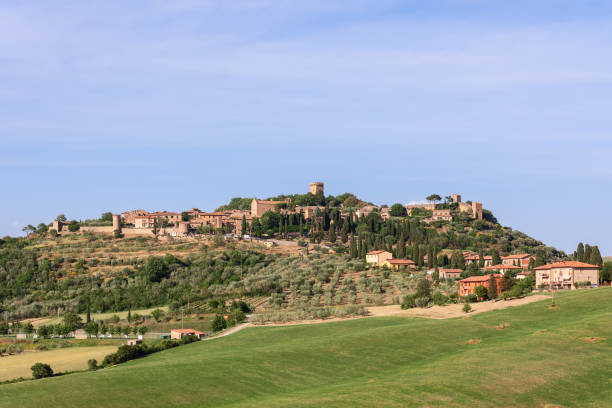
x,y
483,278
567,264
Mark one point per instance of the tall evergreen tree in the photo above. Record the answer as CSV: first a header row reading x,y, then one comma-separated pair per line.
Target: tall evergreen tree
x,y
595,258
243,225
495,257
587,252
481,260
420,261
332,235
401,248
88,313
353,248
492,289
362,250
344,232
580,252
540,259
430,257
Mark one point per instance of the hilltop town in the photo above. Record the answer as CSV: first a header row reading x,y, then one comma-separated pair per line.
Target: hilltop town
x,y
296,211
378,253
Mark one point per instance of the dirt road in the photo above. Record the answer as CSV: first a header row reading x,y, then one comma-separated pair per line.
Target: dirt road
x,y
434,312
448,311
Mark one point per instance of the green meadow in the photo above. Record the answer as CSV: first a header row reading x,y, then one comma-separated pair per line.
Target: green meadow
x,y
527,356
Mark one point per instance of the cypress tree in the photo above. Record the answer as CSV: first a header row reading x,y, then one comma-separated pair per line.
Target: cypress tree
x,y
420,256
492,289
243,224
362,249
332,235
430,257
344,232
353,248
88,313
587,252
580,252
595,258
481,260
401,247
496,259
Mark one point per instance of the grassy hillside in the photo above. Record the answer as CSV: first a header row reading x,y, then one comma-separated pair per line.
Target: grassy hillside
x,y
541,356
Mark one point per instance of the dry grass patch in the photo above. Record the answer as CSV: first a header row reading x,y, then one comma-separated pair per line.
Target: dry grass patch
x,y
473,341
502,326
541,332
592,340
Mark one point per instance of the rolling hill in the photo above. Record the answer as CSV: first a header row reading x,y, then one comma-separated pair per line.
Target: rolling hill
x,y
526,356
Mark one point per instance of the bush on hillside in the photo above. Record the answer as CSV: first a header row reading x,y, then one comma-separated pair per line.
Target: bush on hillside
x,y
41,370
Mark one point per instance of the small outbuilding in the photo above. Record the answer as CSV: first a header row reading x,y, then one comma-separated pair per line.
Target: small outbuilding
x,y
178,334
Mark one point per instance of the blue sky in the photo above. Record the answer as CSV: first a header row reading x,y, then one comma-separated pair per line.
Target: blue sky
x,y
114,105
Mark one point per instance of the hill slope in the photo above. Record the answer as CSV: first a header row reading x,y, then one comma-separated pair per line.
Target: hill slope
x,y
538,359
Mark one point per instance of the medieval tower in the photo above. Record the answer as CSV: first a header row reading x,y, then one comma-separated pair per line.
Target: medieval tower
x,y
316,188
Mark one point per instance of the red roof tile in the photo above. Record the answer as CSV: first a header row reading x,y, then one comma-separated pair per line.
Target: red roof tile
x,y
501,266
483,278
567,264
187,331
401,261
516,256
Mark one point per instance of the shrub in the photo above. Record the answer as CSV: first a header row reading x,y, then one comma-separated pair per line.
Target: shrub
x,y
421,302
408,302
439,298
467,308
92,364
219,323
41,370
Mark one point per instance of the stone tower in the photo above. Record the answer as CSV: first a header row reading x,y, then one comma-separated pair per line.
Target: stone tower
x,y
477,210
456,198
117,222
316,188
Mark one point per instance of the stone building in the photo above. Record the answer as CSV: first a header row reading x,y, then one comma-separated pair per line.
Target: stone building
x,y
316,188
259,207
378,258
565,275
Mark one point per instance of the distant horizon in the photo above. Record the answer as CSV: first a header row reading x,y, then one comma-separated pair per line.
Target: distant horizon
x,y
112,105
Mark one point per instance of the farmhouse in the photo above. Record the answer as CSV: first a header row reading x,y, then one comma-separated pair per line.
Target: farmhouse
x,y
468,286
449,273
521,260
398,264
472,257
178,334
565,275
378,258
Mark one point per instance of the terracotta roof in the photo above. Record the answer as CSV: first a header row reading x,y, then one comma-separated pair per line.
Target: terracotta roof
x,y
567,264
401,261
376,252
483,278
187,331
501,266
516,256
451,270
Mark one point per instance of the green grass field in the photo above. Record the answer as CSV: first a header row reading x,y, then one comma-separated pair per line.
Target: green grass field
x,y
540,357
